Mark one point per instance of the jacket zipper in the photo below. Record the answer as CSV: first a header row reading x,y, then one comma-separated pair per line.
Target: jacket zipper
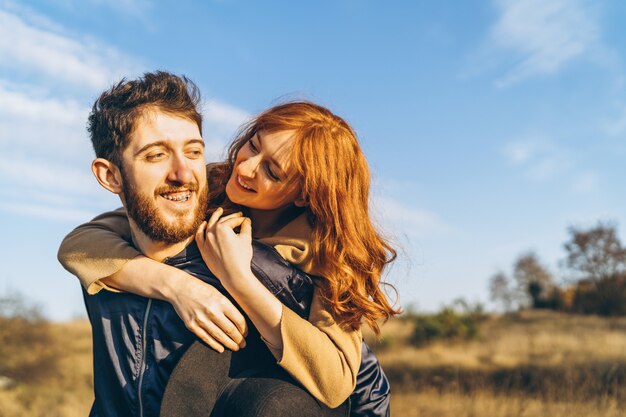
x,y
143,355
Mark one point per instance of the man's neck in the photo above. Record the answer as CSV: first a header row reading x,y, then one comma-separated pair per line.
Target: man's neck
x,y
158,251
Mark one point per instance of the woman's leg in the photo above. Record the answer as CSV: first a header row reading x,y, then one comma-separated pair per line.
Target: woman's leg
x,y
200,386
271,393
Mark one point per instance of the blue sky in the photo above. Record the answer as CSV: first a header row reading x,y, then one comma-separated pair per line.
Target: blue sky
x,y
490,126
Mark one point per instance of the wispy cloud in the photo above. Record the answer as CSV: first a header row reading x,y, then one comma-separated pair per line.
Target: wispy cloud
x,y
411,221
586,182
221,121
45,151
617,125
538,157
46,52
65,214
542,36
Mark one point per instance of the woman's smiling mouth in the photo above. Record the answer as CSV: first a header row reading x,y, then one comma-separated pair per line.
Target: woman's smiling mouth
x,y
243,185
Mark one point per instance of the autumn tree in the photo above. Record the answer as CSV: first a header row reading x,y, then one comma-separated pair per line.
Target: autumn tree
x,y
597,261
595,254
535,283
500,291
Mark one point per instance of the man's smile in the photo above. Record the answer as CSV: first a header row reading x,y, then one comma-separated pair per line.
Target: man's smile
x,y
180,196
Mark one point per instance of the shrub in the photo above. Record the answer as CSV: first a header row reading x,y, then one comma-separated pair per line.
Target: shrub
x,y
448,324
25,342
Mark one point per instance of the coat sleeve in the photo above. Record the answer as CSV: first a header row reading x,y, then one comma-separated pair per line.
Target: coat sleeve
x,y
98,249
319,353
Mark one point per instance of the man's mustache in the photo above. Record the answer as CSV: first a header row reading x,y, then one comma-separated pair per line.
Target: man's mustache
x,y
192,186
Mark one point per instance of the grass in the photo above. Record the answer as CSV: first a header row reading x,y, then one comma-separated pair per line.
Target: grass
x,y
525,365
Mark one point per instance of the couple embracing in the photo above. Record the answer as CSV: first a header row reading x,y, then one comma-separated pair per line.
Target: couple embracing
x,y
237,288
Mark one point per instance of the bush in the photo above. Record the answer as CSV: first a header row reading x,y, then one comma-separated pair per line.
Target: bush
x,y
448,324
25,342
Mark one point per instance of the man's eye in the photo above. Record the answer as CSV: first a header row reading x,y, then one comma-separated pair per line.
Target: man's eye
x,y
195,153
155,156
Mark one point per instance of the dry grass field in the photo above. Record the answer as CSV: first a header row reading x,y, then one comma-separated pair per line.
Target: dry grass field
x,y
528,365
535,363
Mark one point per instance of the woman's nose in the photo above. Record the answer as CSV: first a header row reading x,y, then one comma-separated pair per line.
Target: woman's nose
x,y
249,166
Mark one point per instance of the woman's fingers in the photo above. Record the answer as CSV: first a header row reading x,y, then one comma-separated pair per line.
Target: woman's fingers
x,y
246,228
232,222
201,233
231,215
215,217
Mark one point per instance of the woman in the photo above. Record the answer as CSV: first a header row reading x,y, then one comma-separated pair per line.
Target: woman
x,y
298,175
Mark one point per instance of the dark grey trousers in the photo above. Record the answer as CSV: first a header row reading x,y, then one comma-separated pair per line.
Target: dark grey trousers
x,y
200,386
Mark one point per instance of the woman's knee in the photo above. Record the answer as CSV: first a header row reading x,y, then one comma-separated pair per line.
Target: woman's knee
x,y
275,397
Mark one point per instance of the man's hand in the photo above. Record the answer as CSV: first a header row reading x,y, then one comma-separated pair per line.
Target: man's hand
x,y
209,315
204,310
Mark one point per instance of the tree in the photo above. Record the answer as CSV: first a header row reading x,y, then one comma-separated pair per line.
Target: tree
x,y
534,281
597,261
500,291
595,254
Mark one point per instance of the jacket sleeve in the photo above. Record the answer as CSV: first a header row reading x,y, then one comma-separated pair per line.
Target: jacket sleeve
x,y
97,249
323,356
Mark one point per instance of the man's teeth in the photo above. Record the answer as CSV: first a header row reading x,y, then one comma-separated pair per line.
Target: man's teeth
x,y
243,185
177,197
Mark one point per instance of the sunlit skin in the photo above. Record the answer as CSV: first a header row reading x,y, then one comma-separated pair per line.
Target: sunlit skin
x,y
262,179
164,163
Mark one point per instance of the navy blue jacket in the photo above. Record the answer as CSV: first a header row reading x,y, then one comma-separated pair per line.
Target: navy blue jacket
x,y
138,341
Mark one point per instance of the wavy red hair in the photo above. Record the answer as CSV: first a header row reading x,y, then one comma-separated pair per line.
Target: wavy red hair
x,y
348,251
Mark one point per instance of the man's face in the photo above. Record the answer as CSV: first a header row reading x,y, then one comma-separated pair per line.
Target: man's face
x,y
164,177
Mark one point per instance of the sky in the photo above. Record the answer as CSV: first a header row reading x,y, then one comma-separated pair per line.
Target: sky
x,y
490,126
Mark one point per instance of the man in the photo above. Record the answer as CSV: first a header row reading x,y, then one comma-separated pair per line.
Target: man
x,y
147,137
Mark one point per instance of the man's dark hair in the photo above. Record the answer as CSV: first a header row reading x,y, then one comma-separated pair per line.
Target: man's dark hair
x,y
115,113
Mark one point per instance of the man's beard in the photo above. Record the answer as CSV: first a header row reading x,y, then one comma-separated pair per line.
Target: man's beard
x,y
143,211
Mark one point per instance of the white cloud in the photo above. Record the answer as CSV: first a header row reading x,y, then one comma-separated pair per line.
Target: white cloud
x,y
408,220
617,125
586,182
538,157
45,151
42,51
16,103
543,35
71,215
221,122
47,175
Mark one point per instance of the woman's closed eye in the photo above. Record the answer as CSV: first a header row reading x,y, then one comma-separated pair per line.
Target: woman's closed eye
x,y
271,173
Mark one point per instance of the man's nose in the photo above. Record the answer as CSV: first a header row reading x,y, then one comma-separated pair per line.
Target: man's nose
x,y
180,171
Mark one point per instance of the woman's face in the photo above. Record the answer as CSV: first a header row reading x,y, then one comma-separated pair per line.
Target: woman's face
x,y
262,178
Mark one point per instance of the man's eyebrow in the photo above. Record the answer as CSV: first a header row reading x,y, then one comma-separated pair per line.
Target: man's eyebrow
x,y
258,135
165,144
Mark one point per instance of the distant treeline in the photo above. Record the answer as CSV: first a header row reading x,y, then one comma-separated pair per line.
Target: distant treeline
x,y
593,280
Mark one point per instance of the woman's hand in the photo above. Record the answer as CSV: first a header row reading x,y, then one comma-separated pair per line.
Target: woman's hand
x,y
226,253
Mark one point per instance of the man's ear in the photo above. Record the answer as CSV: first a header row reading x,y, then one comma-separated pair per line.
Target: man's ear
x,y
107,174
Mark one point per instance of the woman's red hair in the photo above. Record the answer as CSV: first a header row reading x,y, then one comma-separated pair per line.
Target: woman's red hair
x,y
348,251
